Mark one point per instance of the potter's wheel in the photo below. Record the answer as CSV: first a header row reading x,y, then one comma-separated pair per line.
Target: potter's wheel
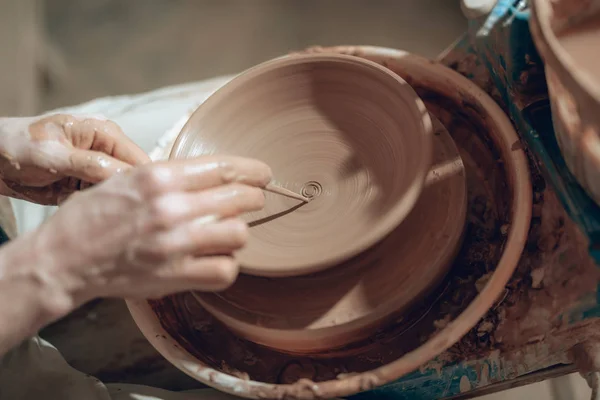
x,y
335,307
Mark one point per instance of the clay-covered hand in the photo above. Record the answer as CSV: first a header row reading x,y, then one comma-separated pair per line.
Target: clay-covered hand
x,y
153,230
45,159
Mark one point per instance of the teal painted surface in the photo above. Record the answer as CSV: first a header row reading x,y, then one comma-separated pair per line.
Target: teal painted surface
x,y
437,382
426,386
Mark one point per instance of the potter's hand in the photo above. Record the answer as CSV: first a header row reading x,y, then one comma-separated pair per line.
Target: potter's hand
x,y
45,159
155,229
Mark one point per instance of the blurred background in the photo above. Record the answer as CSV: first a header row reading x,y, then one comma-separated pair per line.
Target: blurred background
x,y
63,52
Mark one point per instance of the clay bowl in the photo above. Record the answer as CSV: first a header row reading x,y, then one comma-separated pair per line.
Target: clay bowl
x,y
204,362
347,132
574,90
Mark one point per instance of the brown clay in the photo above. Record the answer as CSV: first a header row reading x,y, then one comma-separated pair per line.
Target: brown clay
x,y
567,35
346,132
348,303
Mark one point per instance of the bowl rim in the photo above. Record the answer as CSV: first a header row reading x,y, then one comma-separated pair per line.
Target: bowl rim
x,y
397,213
517,171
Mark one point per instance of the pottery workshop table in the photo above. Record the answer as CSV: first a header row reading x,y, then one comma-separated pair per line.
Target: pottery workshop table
x,y
548,313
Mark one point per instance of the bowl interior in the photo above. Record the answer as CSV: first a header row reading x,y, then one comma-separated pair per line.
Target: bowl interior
x,y
346,132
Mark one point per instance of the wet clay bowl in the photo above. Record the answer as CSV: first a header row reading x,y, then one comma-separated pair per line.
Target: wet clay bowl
x,y
194,342
346,132
572,66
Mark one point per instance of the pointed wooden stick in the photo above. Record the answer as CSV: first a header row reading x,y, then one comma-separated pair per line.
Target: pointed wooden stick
x,y
285,192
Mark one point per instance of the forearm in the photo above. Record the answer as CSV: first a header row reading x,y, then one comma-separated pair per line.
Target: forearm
x,y
28,301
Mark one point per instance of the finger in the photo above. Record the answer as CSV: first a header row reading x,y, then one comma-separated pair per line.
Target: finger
x,y
205,172
199,238
107,137
210,274
220,202
92,166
